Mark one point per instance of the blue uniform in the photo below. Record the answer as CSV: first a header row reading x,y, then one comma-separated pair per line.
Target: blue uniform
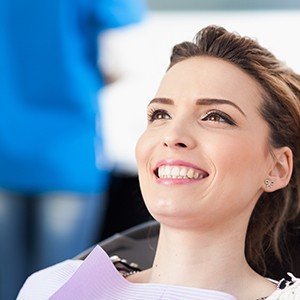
x,y
48,85
49,81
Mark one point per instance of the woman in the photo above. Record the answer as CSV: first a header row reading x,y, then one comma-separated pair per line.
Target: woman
x,y
219,169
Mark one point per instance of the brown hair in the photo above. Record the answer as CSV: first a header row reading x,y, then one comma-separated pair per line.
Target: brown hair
x,y
280,109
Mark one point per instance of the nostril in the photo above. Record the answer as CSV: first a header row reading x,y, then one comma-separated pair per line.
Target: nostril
x,y
182,145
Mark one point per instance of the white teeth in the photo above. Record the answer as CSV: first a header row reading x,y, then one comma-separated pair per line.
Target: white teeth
x,y
179,172
183,172
167,170
190,173
160,172
175,171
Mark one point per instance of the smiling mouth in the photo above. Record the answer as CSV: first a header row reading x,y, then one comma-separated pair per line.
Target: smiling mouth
x,y
179,172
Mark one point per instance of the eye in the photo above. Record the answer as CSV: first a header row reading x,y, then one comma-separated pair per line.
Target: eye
x,y
219,117
158,114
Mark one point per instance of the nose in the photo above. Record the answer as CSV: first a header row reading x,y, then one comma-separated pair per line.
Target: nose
x,y
179,137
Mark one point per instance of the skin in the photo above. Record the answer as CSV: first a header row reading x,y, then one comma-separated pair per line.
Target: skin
x,y
204,221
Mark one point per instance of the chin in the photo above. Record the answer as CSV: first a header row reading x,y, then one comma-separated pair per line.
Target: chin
x,y
173,215
179,222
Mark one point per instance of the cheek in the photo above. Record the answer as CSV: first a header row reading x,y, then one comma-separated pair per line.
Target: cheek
x,y
144,151
240,164
140,149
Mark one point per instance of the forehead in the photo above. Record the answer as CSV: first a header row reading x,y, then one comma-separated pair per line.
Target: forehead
x,y
209,77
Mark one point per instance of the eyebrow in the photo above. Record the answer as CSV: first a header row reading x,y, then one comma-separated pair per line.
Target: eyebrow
x,y
201,101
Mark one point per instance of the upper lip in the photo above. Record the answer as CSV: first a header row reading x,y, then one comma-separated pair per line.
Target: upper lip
x,y
172,162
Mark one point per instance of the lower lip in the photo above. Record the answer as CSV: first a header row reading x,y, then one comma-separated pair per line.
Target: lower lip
x,y
175,181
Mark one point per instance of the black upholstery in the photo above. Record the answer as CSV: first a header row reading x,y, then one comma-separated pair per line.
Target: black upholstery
x,y
137,244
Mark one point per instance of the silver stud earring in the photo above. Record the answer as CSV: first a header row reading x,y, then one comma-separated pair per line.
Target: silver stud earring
x,y
269,183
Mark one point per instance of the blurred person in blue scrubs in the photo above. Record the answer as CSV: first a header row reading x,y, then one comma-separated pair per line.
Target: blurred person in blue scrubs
x,y
52,194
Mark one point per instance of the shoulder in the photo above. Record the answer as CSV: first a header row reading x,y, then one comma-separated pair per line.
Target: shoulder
x,y
42,284
287,290
119,13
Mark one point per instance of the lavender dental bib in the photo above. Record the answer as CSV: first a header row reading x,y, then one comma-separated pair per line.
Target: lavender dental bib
x,y
97,278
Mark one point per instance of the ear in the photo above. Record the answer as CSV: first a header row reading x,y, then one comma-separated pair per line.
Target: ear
x,y
281,171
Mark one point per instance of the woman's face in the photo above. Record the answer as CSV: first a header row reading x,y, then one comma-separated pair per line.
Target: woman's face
x,y
204,156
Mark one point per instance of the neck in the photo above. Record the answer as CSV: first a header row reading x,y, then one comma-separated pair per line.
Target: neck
x,y
208,259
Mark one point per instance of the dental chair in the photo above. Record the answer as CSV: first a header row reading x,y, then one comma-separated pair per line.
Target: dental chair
x,y
137,245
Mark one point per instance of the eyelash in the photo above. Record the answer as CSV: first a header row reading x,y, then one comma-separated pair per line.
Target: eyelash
x,y
154,113
219,114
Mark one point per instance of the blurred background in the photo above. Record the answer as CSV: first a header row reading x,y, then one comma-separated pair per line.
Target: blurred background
x,y
67,68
